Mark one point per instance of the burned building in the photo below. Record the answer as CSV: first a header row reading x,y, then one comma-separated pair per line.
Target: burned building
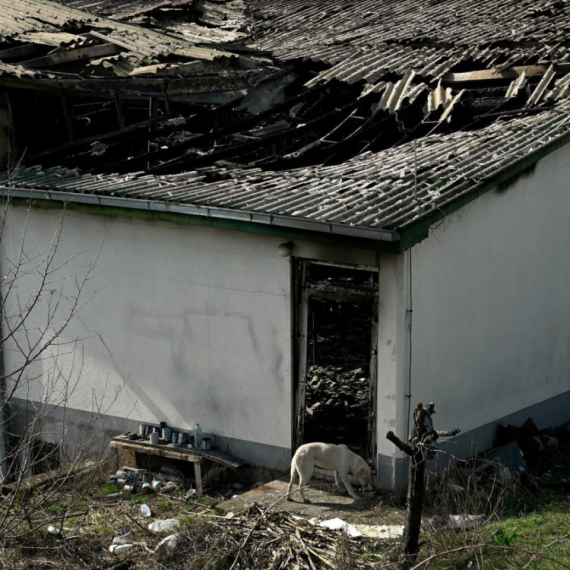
x,y
307,217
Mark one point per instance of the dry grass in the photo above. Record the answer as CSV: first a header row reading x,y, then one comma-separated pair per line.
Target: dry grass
x,y
521,530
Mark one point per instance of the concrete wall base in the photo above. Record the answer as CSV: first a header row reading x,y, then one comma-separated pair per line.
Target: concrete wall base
x,y
550,414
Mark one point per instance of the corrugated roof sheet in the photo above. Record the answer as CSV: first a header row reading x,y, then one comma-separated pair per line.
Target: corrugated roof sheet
x,y
374,190
21,17
366,39
441,71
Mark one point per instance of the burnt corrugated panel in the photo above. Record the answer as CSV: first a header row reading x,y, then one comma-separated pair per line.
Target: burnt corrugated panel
x,y
373,190
454,30
19,18
218,13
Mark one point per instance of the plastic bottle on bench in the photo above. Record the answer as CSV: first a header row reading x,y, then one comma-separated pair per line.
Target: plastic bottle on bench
x,y
198,437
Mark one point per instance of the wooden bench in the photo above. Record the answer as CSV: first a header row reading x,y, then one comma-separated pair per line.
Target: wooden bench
x,y
182,452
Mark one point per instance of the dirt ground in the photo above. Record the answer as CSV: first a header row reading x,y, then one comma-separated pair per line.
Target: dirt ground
x,y
374,508
88,516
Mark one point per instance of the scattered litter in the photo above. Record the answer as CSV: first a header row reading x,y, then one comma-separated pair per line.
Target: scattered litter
x,y
170,542
457,488
169,487
163,524
118,548
339,524
238,486
362,530
457,522
53,531
466,522
145,510
122,538
384,531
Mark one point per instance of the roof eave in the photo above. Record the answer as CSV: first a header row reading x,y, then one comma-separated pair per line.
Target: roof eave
x,y
418,230
287,225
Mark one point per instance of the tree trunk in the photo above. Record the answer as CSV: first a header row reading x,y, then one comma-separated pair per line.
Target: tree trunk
x,y
415,497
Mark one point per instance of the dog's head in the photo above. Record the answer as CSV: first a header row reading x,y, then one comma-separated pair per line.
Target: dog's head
x,y
362,475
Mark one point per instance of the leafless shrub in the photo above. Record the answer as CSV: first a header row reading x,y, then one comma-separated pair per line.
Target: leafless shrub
x,y
345,557
462,499
471,488
42,291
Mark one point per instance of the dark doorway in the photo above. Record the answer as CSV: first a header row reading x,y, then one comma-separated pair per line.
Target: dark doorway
x,y
337,398
337,327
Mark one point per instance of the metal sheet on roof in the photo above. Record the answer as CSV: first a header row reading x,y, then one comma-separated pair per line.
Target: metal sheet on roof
x,y
373,190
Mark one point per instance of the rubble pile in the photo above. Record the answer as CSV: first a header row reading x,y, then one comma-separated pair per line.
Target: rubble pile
x,y
330,390
275,540
338,375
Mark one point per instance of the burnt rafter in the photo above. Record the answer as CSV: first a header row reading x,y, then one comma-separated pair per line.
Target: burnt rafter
x,y
172,85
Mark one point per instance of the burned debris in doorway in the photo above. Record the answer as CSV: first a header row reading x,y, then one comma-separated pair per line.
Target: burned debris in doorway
x,y
215,86
338,312
338,390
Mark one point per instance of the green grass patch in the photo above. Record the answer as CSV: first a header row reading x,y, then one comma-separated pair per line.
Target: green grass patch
x,y
138,500
205,500
67,505
537,540
189,520
110,489
371,557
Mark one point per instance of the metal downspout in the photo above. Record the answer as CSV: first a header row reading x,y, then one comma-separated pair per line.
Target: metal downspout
x,y
3,405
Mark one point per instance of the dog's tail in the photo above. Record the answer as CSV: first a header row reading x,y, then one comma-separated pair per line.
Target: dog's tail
x,y
294,473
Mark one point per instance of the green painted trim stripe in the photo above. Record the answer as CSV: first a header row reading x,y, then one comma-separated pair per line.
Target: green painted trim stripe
x,y
212,222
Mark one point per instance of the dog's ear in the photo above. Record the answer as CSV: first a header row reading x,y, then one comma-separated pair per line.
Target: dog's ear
x,y
363,473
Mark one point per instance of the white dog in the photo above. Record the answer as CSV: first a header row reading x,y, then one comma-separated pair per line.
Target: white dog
x,y
337,458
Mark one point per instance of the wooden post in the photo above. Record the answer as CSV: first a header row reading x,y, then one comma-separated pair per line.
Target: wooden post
x,y
152,113
68,114
198,478
415,495
5,130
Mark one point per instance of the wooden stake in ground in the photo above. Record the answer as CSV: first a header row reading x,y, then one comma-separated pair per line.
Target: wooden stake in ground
x,y
422,439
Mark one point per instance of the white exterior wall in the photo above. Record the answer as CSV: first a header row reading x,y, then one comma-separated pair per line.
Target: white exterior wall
x,y
186,324
491,300
393,361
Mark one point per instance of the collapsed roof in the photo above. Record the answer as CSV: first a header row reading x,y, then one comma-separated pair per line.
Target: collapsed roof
x,y
355,114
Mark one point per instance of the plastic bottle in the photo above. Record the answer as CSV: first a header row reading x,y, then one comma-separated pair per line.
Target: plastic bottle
x,y
198,437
